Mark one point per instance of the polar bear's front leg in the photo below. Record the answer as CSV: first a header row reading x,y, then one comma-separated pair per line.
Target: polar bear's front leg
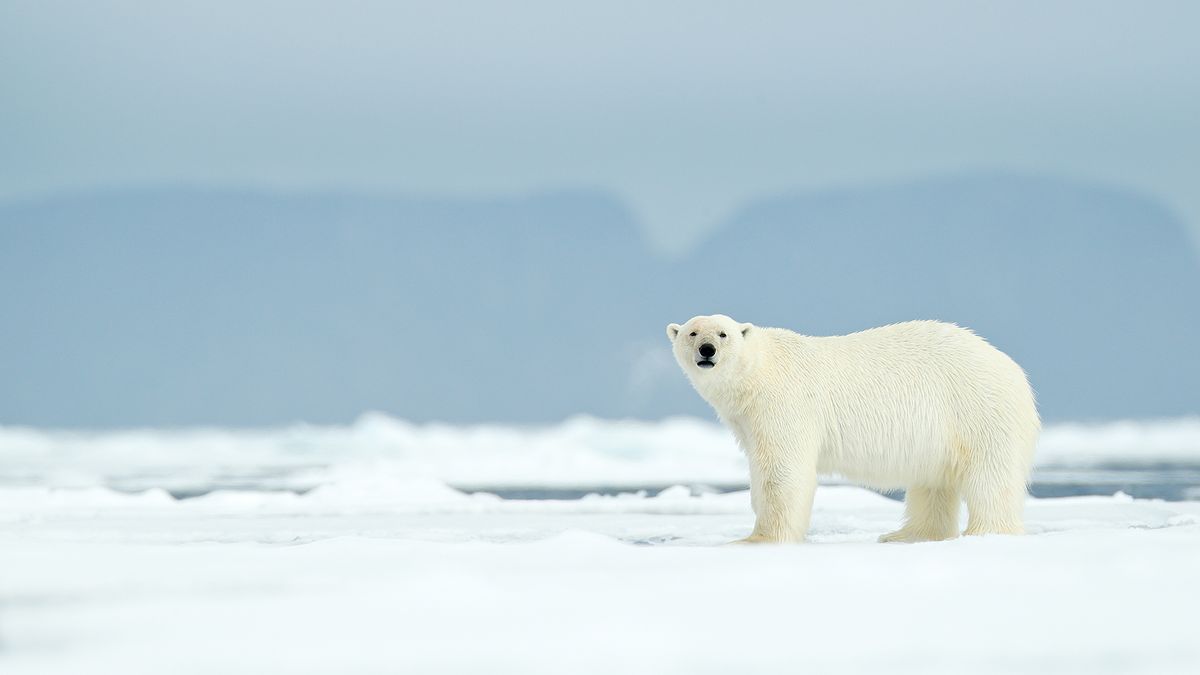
x,y
782,486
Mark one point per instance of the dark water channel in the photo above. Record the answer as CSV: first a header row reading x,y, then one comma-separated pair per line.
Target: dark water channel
x,y
1167,481
1171,481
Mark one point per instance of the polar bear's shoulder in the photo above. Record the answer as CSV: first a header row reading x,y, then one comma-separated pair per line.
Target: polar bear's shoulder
x,y
902,341
924,330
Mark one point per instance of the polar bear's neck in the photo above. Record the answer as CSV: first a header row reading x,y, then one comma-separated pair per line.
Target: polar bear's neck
x,y
735,391
746,395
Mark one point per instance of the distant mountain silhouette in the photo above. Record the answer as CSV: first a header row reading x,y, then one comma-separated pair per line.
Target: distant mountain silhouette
x,y
165,307
1093,291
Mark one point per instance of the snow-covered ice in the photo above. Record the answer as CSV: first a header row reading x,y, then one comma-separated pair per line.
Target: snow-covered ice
x,y
580,451
381,567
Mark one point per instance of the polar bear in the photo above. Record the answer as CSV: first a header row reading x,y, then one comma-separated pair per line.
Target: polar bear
x,y
925,406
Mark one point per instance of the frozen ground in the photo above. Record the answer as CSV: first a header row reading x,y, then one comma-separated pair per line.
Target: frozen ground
x,y
579,452
379,567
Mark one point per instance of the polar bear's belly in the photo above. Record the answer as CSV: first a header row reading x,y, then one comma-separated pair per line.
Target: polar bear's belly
x,y
887,462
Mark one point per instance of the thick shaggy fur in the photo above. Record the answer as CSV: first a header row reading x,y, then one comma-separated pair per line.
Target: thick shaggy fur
x,y
925,406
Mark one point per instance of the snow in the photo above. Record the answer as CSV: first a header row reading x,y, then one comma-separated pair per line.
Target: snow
x,y
420,578
582,451
382,567
1172,440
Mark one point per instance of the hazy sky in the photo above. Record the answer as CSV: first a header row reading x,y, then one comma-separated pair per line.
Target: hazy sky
x,y
684,109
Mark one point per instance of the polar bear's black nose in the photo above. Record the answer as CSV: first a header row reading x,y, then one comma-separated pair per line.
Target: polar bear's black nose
x,y
707,350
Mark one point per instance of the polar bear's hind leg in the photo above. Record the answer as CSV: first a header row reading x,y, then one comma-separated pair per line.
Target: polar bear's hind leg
x,y
996,508
995,489
930,514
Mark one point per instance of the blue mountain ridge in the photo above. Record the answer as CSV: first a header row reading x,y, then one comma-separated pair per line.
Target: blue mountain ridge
x,y
183,306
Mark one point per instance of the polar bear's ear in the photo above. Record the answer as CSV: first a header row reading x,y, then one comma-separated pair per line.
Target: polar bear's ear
x,y
672,331
746,328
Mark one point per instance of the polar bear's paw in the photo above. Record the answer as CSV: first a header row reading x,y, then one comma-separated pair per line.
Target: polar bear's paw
x,y
768,539
752,539
900,536
907,536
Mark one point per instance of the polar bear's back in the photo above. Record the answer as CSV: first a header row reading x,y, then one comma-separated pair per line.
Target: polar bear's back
x,y
896,400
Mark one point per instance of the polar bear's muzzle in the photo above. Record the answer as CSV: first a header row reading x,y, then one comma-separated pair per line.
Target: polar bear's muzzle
x,y
707,352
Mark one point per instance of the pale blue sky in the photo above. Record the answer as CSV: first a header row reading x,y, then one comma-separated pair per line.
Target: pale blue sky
x,y
685,110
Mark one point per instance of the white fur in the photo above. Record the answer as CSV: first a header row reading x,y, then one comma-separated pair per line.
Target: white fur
x,y
925,406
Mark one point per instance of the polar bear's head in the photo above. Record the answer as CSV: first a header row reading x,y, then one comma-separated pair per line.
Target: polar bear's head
x,y
708,343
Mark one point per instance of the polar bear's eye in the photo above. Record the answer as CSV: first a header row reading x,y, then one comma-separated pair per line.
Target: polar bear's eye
x,y
722,335
693,333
